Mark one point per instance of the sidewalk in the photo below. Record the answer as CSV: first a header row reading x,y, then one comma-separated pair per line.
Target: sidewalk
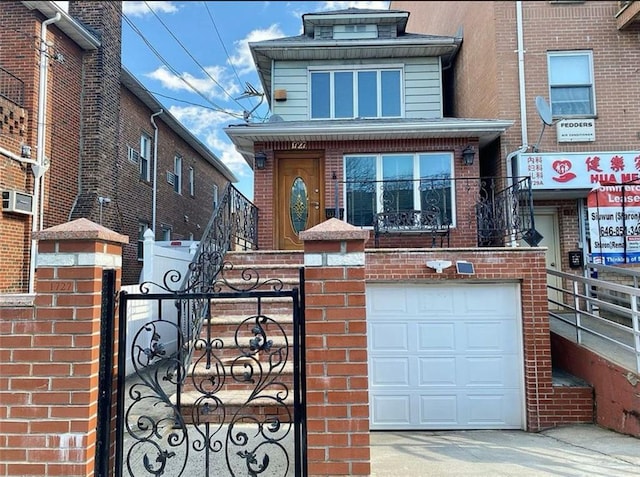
x,y
579,450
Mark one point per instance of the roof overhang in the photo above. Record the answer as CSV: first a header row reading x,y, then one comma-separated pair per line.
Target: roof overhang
x,y
67,24
244,136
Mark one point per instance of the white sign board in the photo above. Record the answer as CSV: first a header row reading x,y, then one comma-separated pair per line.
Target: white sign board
x,y
576,130
614,224
579,170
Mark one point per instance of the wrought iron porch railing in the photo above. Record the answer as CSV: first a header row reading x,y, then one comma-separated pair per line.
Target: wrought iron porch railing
x,y
11,87
233,226
499,209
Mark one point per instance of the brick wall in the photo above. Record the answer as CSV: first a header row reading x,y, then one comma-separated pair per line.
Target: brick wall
x,y
336,350
101,107
133,201
265,185
617,389
50,356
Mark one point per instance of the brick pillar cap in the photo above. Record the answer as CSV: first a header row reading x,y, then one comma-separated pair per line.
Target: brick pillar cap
x,y
80,229
334,229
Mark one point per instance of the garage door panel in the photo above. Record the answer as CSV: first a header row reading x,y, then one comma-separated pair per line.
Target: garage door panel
x,y
390,372
438,411
435,301
390,336
437,372
436,337
457,354
489,372
491,336
391,411
487,410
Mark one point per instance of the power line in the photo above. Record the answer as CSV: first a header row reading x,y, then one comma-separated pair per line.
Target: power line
x,y
190,55
215,27
235,115
171,68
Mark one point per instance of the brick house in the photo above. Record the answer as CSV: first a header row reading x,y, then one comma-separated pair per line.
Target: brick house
x,y
571,57
359,130
90,137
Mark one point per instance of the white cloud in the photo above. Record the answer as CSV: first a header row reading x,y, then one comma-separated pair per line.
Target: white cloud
x,y
207,126
242,58
139,8
226,88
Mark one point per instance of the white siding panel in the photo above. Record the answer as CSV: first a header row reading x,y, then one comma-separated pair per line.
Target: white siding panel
x,y
423,88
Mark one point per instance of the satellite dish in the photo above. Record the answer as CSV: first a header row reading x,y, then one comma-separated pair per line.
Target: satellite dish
x,y
544,111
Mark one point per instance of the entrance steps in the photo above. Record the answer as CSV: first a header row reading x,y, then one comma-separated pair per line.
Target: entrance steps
x,y
242,364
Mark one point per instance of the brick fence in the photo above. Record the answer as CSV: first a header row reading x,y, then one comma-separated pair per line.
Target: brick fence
x,y
50,355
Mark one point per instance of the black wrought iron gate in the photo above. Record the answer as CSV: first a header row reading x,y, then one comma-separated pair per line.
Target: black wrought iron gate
x,y
214,381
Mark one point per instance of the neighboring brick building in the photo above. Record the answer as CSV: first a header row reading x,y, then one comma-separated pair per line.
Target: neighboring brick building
x,y
582,58
94,150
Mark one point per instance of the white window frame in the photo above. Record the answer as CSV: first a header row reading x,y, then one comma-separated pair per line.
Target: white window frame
x,y
416,176
591,84
177,172
145,157
192,182
355,70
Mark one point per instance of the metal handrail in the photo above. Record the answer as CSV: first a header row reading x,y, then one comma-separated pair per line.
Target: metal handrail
x,y
233,226
502,215
597,308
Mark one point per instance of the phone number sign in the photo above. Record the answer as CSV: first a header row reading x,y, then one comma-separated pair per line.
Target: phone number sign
x,y
614,224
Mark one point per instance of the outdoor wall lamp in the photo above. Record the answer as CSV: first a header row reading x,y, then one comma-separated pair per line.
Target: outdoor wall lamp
x,y
468,155
260,160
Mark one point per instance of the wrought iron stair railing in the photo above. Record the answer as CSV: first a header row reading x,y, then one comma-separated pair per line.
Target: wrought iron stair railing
x,y
233,226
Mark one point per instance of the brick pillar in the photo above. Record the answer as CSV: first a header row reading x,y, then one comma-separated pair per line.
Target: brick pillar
x,y
336,341
51,428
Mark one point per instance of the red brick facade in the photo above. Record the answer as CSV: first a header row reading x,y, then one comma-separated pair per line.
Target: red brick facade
x,y
488,63
333,153
91,118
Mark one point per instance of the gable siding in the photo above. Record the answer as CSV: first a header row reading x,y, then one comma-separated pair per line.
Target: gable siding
x,y
422,96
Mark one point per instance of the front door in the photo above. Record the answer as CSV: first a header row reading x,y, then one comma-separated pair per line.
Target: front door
x,y
547,224
299,196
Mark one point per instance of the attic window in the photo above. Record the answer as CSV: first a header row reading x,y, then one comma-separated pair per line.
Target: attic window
x,y
354,32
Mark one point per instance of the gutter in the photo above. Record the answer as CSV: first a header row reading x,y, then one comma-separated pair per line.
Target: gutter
x,y
40,167
155,171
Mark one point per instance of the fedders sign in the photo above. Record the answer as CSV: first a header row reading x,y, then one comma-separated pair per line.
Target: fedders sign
x,y
614,224
579,170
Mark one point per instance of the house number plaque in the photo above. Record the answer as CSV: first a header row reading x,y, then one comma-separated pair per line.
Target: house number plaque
x,y
298,145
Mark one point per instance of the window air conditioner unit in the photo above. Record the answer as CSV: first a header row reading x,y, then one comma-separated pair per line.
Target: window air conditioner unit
x,y
17,202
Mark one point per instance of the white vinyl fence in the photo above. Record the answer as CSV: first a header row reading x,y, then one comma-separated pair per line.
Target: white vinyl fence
x,y
164,267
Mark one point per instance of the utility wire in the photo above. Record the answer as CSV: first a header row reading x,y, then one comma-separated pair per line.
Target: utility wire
x,y
215,27
235,115
171,68
191,56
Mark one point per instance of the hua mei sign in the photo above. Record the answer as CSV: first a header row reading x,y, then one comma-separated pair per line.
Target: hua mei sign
x,y
579,170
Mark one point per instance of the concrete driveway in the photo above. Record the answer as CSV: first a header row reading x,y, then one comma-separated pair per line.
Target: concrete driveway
x,y
579,450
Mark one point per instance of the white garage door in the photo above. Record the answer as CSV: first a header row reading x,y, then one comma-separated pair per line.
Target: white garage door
x,y
445,356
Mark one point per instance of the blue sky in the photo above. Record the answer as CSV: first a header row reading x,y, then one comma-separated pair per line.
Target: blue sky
x,y
194,56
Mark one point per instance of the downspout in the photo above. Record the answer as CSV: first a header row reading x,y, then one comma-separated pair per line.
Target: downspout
x,y
40,167
155,171
523,98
